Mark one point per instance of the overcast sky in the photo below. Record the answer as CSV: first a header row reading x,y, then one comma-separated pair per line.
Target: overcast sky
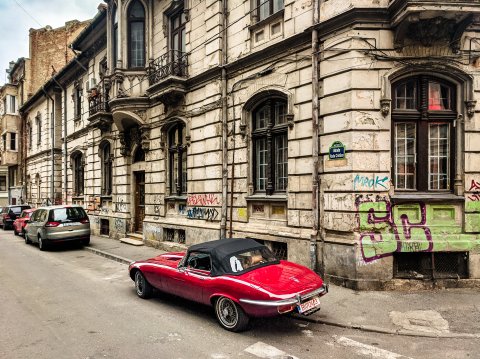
x,y
18,16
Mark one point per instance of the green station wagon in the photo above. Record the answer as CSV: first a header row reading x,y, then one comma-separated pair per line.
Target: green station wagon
x,y
56,225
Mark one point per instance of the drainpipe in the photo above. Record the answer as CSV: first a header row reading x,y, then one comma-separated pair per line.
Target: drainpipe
x,y
223,223
315,144
52,151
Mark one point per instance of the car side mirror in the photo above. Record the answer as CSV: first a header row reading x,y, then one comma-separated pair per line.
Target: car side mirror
x,y
182,269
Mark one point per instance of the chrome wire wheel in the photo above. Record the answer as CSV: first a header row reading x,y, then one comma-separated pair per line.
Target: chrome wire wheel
x,y
227,313
143,288
230,315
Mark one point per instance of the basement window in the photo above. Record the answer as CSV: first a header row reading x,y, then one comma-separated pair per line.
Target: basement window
x,y
434,265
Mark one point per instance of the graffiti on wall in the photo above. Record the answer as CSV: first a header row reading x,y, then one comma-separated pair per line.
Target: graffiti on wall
x,y
156,207
206,213
475,188
119,224
203,200
361,182
121,206
386,228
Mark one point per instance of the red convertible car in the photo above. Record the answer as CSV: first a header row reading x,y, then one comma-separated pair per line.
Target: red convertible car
x,y
240,278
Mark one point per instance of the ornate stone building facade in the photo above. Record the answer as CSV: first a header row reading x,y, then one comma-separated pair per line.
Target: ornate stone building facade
x,y
343,134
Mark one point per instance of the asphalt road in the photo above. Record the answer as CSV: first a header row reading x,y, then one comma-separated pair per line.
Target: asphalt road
x,y
70,303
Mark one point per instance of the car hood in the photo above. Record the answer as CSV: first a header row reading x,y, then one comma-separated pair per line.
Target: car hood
x,y
284,278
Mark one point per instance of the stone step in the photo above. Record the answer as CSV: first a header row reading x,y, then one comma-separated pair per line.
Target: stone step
x,y
132,241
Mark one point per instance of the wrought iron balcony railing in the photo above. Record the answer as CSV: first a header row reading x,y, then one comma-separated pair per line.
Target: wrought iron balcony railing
x,y
97,103
173,63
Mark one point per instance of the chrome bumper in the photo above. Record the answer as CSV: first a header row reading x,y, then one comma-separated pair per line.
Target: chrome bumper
x,y
290,301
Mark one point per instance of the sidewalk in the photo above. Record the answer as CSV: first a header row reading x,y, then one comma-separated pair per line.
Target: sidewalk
x,y
440,313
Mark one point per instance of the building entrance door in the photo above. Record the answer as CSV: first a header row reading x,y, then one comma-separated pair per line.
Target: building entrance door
x,y
139,200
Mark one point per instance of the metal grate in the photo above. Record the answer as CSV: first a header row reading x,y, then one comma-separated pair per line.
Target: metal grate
x,y
104,227
280,250
434,265
181,236
169,234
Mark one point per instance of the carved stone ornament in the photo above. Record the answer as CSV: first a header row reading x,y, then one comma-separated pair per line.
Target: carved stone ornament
x,y
124,148
145,137
470,107
385,106
243,129
290,120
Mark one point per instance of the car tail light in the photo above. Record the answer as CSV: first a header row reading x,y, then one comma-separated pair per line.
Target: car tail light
x,y
6,216
286,308
84,220
52,224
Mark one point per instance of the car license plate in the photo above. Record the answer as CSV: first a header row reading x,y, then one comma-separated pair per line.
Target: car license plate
x,y
68,224
309,305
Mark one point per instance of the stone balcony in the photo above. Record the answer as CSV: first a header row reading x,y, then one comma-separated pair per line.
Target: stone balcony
x,y
430,21
167,76
9,158
99,112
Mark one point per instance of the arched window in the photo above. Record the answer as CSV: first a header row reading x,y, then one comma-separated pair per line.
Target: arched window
x,y
115,35
136,34
270,146
78,173
423,116
177,159
107,162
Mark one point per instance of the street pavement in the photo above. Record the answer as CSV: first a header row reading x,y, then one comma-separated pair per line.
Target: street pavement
x,y
443,313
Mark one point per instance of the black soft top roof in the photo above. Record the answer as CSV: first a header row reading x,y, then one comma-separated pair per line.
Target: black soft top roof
x,y
222,249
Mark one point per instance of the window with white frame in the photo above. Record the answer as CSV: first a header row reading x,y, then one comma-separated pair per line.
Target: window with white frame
x,y
423,117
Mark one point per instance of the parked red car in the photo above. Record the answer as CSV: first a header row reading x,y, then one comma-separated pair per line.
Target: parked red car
x,y
20,223
240,278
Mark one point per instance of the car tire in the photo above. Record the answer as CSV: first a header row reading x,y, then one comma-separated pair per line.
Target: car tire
x,y
4,226
15,231
41,244
86,242
230,315
143,288
27,241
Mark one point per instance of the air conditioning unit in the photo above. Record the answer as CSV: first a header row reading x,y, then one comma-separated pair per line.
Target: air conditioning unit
x,y
91,84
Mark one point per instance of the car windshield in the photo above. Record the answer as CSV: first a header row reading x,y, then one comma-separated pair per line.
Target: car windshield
x,y
26,214
67,214
250,259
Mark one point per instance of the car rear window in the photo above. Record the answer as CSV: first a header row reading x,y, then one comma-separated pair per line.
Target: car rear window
x,y
67,214
16,210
